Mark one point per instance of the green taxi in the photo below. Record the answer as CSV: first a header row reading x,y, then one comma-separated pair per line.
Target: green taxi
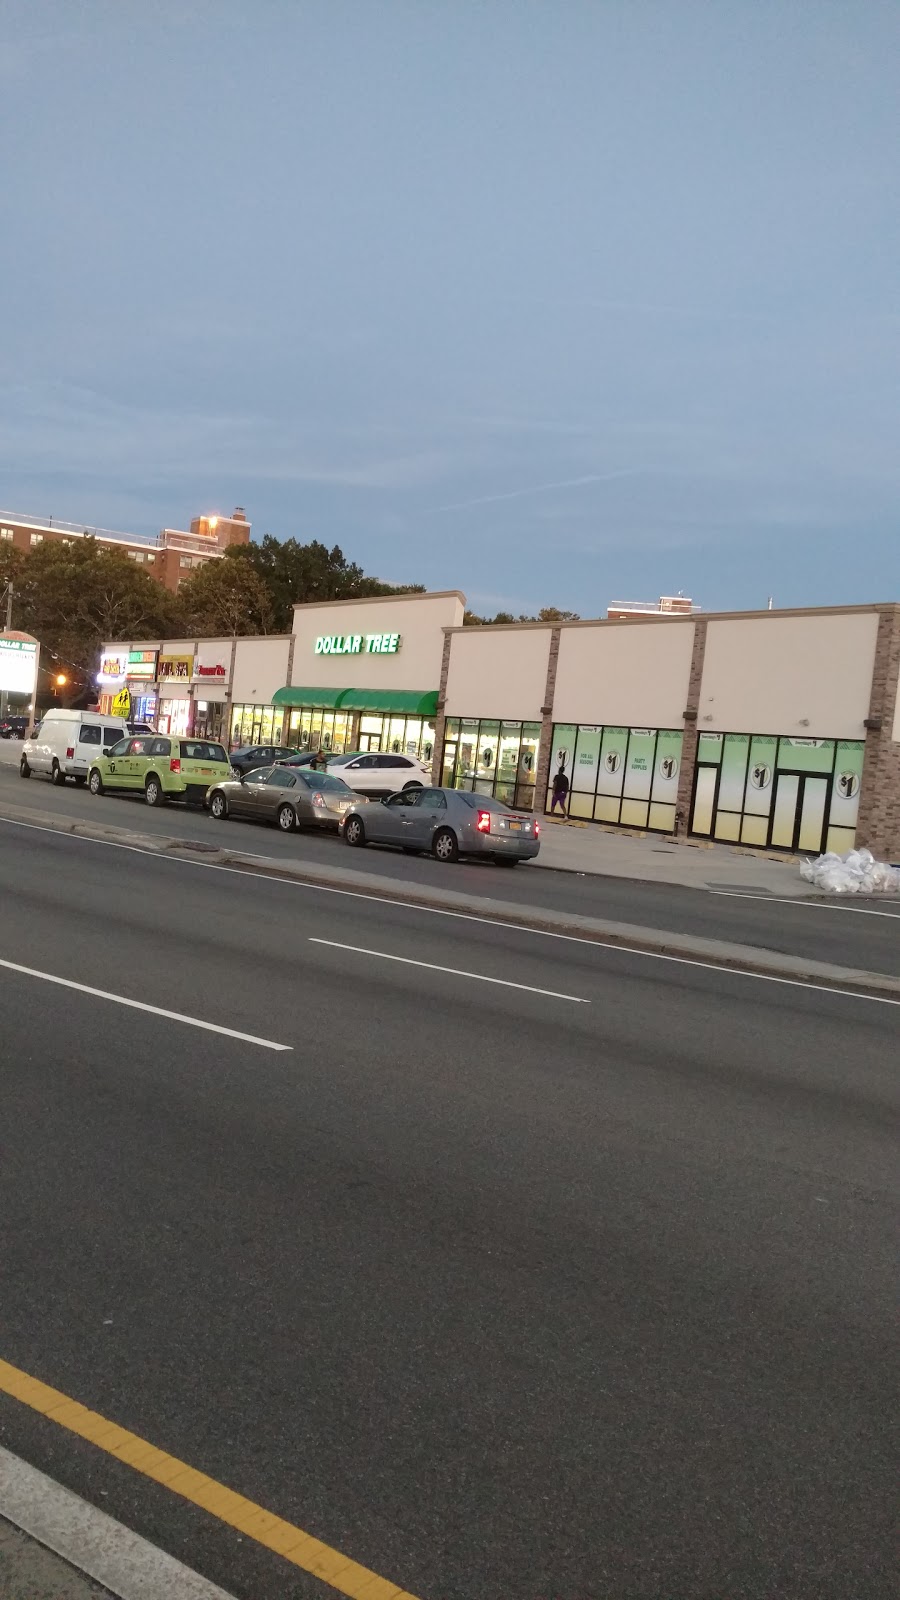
x,y
162,768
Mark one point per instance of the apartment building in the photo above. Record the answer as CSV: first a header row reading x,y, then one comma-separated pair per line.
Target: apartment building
x,y
170,556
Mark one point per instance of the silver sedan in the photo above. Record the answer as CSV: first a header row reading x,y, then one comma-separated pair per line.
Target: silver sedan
x,y
448,822
288,797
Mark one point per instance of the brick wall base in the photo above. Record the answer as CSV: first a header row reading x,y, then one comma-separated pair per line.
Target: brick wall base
x,y
878,826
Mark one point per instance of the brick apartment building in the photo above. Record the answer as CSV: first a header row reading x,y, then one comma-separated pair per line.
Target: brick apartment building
x,y
170,557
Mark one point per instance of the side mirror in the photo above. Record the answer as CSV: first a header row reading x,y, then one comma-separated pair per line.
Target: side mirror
x,y
242,778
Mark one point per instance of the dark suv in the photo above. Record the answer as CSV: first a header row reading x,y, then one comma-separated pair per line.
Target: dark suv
x,y
14,727
258,755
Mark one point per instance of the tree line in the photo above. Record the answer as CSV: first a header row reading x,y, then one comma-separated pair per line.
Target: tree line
x,y
73,597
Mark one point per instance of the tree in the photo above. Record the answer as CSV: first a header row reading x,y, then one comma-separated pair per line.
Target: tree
x,y
226,597
546,614
296,574
73,597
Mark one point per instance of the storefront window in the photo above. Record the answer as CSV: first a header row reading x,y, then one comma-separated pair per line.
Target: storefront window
x,y
792,794
174,716
492,758
626,776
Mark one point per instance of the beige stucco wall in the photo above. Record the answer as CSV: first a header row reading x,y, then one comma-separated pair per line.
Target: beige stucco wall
x,y
806,676
498,674
260,667
419,620
631,674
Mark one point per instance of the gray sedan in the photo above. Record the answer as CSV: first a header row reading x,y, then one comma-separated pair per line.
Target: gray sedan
x,y
448,822
284,796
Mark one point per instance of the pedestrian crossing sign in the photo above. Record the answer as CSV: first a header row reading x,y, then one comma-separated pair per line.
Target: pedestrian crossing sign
x,y
121,706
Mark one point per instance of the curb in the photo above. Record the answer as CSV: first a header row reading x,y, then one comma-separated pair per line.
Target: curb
x,y
620,935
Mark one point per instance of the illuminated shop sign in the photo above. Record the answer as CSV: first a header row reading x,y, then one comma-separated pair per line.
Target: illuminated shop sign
x,y
112,668
358,644
142,665
178,667
18,666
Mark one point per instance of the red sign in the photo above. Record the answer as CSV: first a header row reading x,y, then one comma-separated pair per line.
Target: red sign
x,y
211,672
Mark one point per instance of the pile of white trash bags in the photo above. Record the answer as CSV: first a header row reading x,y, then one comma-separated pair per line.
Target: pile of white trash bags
x,y
855,873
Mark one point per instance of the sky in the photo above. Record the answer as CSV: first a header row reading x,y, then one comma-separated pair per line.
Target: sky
x,y
557,302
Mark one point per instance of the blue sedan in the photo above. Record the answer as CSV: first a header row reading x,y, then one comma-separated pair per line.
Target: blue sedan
x,y
447,822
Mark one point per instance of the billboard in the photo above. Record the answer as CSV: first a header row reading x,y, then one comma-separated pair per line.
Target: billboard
x,y
18,665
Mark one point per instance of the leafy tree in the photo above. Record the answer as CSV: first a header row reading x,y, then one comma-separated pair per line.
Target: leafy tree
x,y
546,614
297,573
74,596
226,597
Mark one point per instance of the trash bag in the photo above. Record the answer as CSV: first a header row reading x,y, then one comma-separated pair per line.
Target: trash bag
x,y
855,873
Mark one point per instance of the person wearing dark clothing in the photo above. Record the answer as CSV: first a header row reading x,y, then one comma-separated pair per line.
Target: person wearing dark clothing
x,y
560,791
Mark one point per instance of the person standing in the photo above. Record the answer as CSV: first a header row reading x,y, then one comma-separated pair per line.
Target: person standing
x,y
560,787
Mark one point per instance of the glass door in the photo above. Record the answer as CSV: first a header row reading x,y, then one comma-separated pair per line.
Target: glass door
x,y
784,811
813,806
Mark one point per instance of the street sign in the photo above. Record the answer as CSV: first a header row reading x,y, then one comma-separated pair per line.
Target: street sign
x,y
121,706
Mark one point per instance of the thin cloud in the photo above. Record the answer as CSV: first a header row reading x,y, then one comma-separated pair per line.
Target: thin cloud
x,y
536,488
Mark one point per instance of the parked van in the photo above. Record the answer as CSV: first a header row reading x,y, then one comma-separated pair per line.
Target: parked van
x,y
66,743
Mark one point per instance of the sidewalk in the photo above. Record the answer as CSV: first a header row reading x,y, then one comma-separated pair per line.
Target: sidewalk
x,y
657,858
28,1571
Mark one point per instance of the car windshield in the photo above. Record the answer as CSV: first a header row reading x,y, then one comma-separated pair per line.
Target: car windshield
x,y
325,783
202,750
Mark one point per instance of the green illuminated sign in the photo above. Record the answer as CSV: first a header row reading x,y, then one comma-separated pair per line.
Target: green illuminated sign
x,y
358,644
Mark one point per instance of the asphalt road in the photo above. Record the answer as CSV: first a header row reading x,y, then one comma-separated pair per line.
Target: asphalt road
x,y
507,1294
846,935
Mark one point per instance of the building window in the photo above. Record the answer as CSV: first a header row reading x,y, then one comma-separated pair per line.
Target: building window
x,y
626,776
6,533
496,758
36,538
185,562
136,555
792,794
150,557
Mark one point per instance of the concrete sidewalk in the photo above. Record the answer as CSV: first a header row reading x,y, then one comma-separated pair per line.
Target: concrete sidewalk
x,y
29,1571
657,858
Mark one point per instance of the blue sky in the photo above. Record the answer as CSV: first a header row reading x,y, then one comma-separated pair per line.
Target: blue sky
x,y
556,301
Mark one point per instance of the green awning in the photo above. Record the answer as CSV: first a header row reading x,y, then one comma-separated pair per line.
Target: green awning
x,y
400,702
403,702
327,699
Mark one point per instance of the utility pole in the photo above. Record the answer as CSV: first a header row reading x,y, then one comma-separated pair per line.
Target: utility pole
x,y
4,697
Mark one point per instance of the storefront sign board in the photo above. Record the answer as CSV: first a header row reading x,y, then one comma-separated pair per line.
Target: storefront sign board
x,y
18,666
177,668
358,644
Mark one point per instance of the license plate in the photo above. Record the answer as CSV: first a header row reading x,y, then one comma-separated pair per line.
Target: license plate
x,y
514,827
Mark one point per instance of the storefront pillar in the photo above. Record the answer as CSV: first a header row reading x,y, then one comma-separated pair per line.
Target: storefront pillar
x,y
691,734
545,748
229,699
878,824
440,719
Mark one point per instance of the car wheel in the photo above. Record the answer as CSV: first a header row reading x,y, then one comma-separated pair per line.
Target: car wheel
x,y
95,782
236,773
407,787
24,768
153,791
218,806
444,846
354,832
286,819
57,775
506,861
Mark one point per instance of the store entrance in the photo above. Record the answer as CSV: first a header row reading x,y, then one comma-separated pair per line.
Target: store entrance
x,y
800,811
370,741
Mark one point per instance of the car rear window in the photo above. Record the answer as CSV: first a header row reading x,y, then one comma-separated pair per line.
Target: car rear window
x,y
112,735
324,783
89,733
161,747
482,802
202,750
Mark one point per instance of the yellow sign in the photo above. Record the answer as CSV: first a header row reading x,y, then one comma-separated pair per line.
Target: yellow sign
x,y
121,706
179,667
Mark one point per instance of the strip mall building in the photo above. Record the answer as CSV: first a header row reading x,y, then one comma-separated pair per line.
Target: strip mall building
x,y
773,728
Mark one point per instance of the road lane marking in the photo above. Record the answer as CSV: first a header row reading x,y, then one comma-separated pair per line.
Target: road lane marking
x,y
141,1005
807,905
93,1542
301,1549
456,972
471,916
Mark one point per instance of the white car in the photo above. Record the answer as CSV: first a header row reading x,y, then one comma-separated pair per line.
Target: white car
x,y
378,773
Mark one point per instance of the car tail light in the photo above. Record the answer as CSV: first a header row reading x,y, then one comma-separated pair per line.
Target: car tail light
x,y
484,822
70,751
318,800
174,764
537,830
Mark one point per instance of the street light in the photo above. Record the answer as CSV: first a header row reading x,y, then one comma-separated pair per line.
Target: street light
x,y
61,680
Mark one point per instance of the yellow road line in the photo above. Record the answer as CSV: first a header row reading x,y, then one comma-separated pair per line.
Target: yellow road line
x,y
311,1555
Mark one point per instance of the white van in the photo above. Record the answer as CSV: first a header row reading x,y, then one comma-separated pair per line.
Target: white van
x,y
66,743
